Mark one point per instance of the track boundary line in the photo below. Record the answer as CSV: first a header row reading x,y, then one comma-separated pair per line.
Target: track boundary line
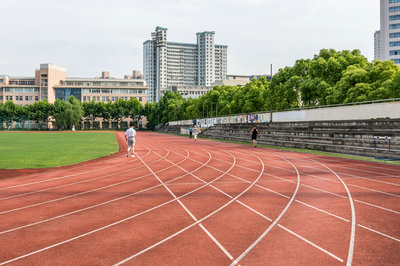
x,y
110,201
226,252
241,256
70,184
269,219
192,225
62,177
353,214
287,180
109,225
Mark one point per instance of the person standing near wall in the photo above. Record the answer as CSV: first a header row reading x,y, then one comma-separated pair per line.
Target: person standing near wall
x,y
190,132
195,132
254,133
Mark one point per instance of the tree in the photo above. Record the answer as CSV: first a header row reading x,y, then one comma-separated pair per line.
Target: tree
x,y
133,109
71,114
8,113
91,111
40,112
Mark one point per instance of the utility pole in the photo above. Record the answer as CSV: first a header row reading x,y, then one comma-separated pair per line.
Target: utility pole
x,y
271,104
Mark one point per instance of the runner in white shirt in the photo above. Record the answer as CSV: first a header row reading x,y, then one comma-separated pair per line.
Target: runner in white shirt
x,y
130,137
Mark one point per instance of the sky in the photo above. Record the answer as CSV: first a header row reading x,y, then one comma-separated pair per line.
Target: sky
x,y
90,36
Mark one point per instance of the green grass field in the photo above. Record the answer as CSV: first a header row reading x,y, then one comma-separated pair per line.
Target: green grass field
x,y
40,150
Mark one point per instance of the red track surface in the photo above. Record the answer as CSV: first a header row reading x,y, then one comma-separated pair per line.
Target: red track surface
x,y
202,203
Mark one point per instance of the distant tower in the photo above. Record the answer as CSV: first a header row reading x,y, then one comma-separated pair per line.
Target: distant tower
x,y
176,66
387,40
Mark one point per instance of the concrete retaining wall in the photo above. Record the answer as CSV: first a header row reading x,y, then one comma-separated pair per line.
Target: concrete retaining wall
x,y
354,137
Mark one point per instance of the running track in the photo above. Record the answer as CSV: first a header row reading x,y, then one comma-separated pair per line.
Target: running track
x,y
180,202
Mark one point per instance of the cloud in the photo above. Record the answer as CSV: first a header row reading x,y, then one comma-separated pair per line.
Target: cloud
x,y
87,36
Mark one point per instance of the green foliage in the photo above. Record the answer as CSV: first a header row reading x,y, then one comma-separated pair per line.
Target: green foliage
x,y
70,115
330,77
40,112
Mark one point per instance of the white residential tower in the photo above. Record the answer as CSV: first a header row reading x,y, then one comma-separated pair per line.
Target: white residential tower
x,y
188,68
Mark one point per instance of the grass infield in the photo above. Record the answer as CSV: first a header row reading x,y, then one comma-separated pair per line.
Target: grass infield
x,y
40,150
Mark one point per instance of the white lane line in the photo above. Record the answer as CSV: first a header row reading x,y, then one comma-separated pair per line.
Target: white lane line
x,y
275,221
119,222
376,165
199,221
359,177
382,234
331,180
54,171
338,195
291,181
270,220
353,213
106,202
356,176
74,183
311,243
365,171
320,210
76,194
187,210
62,177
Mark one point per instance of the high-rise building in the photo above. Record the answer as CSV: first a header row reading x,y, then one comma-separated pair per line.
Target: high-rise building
x,y
188,68
387,40
377,45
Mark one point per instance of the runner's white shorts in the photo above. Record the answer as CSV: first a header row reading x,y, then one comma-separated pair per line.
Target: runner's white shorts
x,y
131,141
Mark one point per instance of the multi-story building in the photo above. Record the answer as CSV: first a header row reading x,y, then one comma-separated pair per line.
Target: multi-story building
x,y
377,45
51,83
188,68
387,40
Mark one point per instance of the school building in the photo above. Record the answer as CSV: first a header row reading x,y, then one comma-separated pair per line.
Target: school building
x,y
50,82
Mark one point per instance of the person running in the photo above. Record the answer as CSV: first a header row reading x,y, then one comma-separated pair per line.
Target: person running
x,y
130,137
195,132
254,133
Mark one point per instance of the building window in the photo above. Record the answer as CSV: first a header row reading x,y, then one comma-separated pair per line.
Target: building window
x,y
394,8
394,35
36,98
64,94
393,1
394,17
396,61
26,98
391,44
394,52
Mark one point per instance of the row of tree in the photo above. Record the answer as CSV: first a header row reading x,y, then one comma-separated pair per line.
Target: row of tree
x,y
70,113
331,77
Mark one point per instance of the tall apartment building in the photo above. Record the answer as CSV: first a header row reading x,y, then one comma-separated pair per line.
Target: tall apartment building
x,y
188,68
377,45
387,40
51,83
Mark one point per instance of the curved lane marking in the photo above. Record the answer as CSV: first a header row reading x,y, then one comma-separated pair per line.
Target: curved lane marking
x,y
241,256
113,224
353,213
199,221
